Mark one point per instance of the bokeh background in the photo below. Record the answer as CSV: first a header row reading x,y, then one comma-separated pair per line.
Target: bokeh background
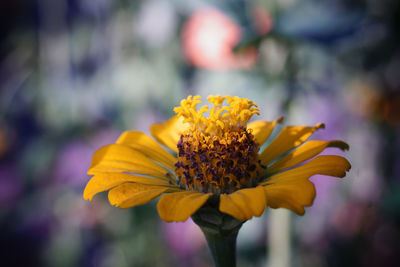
x,y
74,74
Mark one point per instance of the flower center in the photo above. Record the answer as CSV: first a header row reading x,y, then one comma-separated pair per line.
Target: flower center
x,y
218,154
218,164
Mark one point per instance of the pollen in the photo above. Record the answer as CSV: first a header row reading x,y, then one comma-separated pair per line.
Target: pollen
x,y
217,154
220,118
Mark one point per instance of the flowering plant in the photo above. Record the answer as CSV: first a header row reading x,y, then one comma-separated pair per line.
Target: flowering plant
x,y
216,171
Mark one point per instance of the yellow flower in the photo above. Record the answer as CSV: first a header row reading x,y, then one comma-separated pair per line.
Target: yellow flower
x,y
217,154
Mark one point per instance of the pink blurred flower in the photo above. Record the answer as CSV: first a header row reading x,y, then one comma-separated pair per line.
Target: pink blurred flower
x,y
209,37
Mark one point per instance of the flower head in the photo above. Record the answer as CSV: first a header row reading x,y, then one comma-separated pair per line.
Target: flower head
x,y
217,154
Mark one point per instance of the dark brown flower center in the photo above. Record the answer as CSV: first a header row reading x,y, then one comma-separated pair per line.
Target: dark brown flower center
x,y
218,164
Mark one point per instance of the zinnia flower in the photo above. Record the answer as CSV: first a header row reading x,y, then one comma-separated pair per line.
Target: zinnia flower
x,y
219,156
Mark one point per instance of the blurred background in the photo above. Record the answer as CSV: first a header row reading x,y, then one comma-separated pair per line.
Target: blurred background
x,y
74,74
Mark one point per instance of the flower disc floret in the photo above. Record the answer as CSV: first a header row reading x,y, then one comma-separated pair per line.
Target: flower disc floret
x,y
234,115
218,164
217,154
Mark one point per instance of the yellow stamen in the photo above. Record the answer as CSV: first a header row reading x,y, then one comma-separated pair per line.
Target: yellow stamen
x,y
217,154
221,118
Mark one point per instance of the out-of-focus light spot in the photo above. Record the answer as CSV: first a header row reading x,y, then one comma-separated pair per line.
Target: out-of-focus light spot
x,y
283,4
273,56
71,209
93,214
3,142
109,255
391,109
95,7
184,239
156,23
262,20
352,218
362,98
374,104
103,137
72,164
209,37
10,185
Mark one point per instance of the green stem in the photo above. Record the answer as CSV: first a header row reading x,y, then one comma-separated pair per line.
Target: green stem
x,y
220,230
223,248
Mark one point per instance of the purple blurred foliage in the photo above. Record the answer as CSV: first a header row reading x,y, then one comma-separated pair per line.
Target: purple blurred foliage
x,y
72,163
11,186
74,158
184,240
329,109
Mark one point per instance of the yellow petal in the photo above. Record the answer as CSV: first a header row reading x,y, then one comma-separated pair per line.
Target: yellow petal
x,y
294,195
179,206
244,203
303,153
263,129
169,132
133,194
146,145
120,158
288,138
292,190
331,165
110,166
105,181
118,152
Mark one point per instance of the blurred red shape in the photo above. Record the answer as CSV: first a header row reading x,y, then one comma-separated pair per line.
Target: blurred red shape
x,y
209,37
3,142
262,20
